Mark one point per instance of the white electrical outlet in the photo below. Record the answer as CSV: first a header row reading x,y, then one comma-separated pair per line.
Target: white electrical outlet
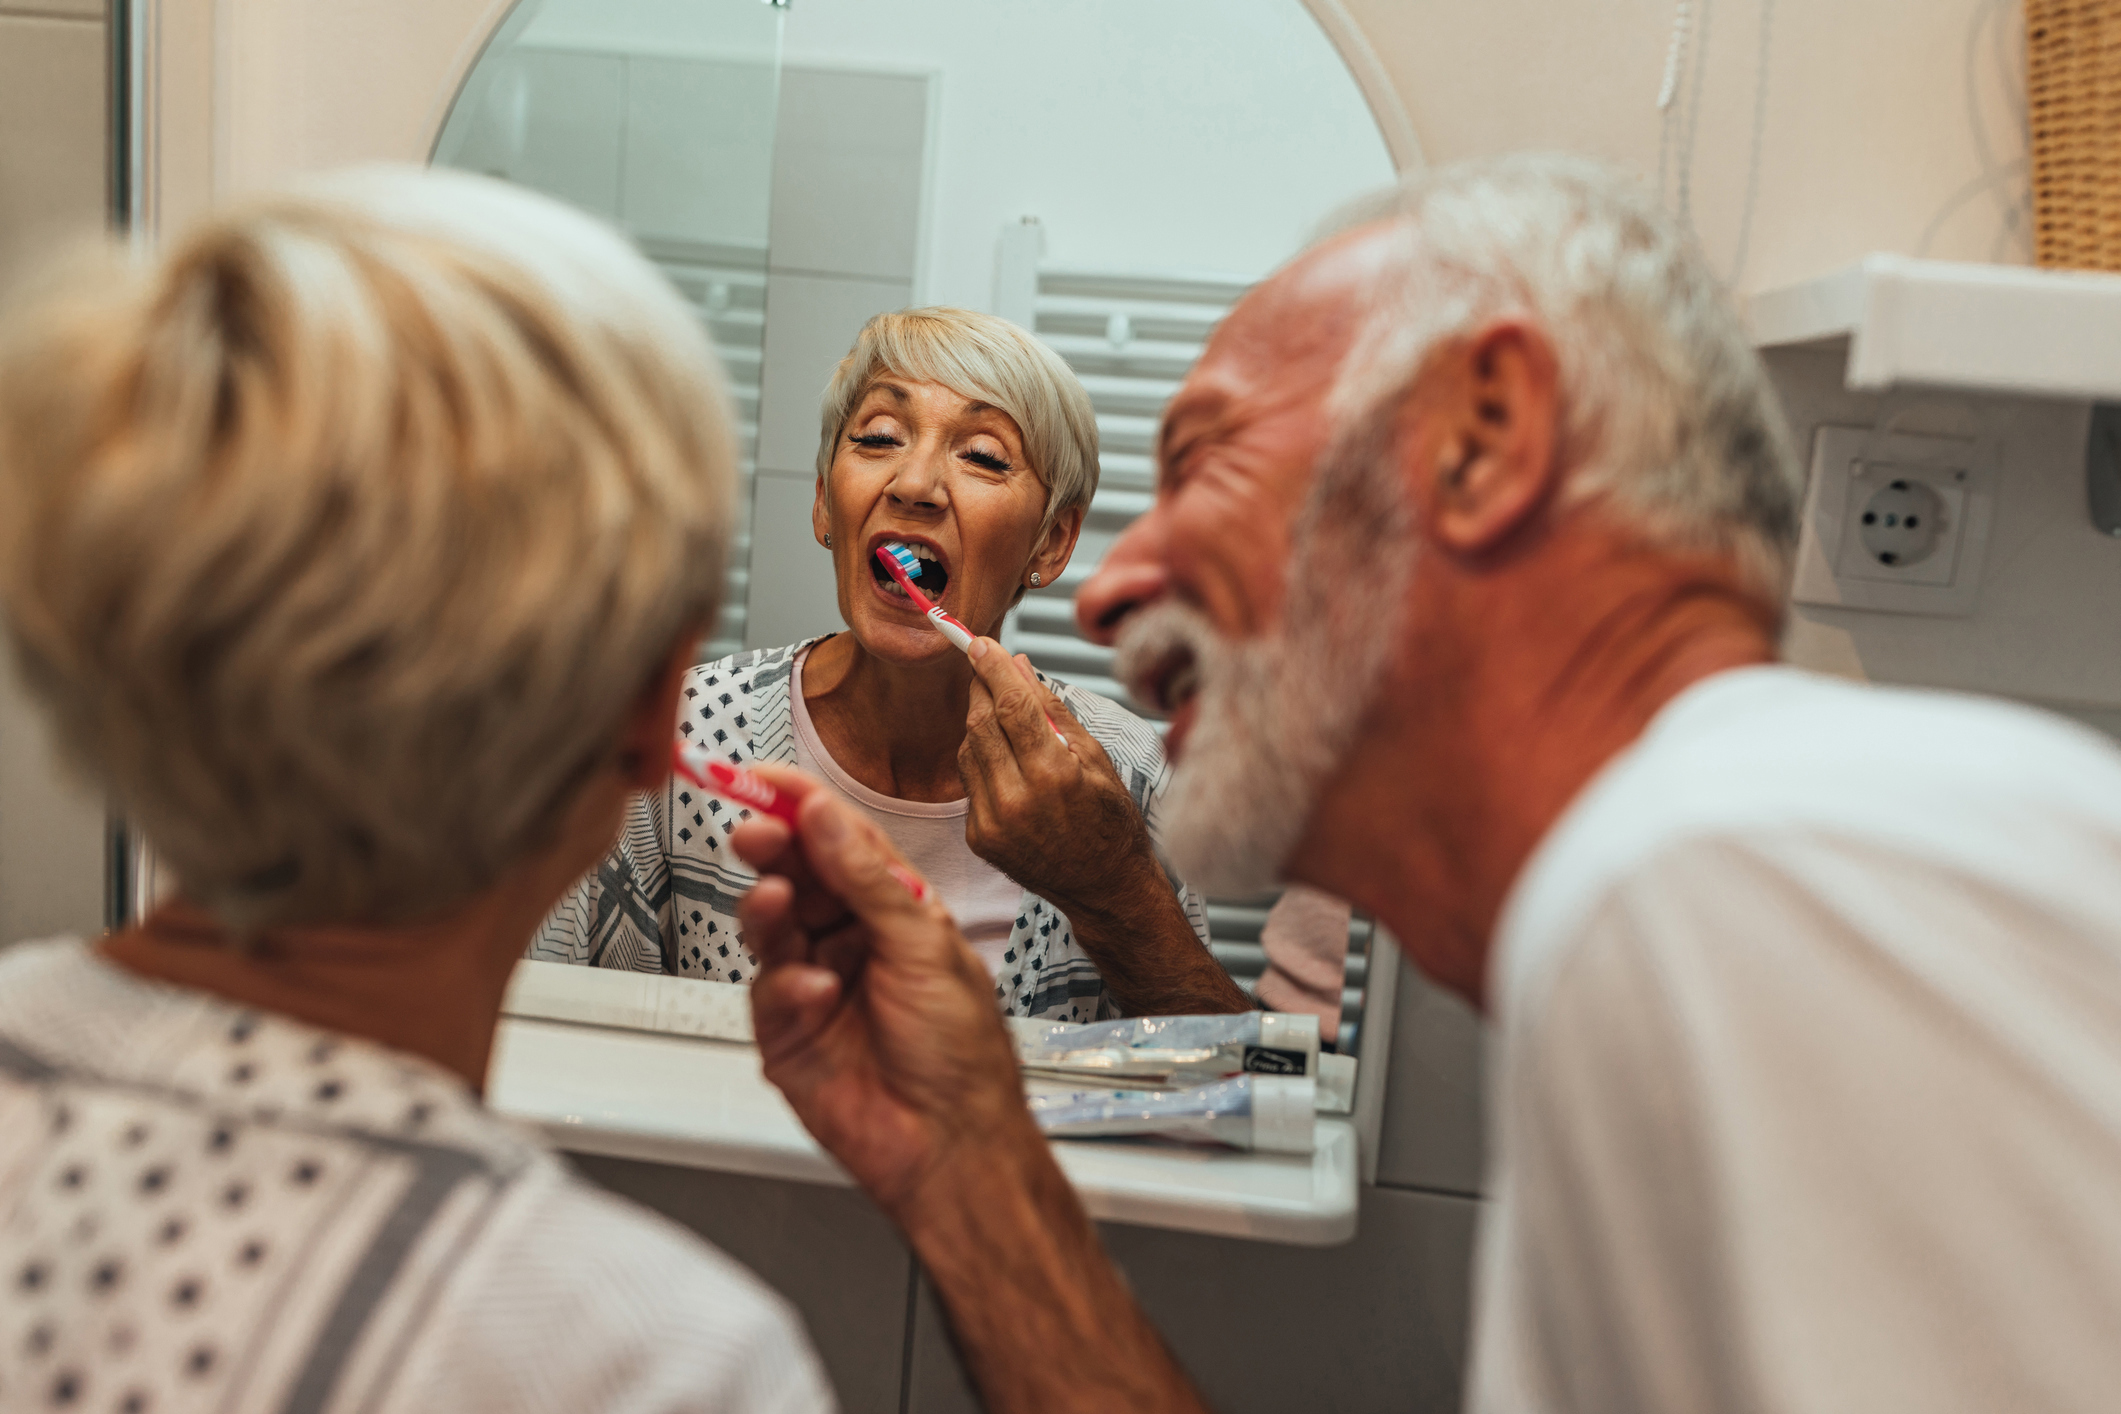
x,y
1908,524
1894,522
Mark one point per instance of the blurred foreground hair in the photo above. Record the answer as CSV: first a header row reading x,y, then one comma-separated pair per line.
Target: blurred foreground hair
x,y
340,538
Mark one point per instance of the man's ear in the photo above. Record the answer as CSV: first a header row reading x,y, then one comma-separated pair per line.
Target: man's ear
x,y
651,724
1497,398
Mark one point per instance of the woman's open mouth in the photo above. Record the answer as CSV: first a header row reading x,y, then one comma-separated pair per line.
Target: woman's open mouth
x,y
932,581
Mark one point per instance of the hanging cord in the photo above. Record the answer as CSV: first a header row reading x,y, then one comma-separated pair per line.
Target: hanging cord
x,y
1674,60
1752,164
1692,118
1691,22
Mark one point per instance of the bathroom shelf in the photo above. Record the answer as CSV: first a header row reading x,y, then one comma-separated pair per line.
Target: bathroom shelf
x,y
706,1104
1945,324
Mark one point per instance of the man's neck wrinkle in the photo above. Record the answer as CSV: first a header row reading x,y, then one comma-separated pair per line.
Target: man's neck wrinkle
x,y
1487,738
1637,650
1622,656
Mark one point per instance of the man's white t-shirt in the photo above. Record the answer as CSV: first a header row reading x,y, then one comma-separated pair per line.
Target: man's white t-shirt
x,y
207,1208
931,836
1807,1093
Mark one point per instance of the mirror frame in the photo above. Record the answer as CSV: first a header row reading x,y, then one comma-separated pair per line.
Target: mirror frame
x,y
226,99
221,99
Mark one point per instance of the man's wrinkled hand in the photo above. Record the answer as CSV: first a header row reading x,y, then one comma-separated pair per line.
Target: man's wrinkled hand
x,y
873,1016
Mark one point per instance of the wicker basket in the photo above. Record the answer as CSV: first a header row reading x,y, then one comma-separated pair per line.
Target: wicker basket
x,y
2073,88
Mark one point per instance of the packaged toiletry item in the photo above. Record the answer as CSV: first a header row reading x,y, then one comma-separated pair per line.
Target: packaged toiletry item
x,y
1336,1084
1270,1114
1167,1052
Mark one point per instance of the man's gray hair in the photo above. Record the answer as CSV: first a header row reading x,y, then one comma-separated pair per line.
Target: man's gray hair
x,y
1667,413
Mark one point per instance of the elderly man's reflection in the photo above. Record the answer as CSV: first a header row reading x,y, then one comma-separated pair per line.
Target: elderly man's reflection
x,y
962,437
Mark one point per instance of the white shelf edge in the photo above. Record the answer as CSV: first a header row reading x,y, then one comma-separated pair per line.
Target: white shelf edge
x,y
1945,324
706,1104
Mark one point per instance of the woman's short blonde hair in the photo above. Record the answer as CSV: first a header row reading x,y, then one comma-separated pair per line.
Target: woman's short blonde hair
x,y
983,357
341,538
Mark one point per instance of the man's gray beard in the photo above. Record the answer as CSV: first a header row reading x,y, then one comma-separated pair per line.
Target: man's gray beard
x,y
1276,715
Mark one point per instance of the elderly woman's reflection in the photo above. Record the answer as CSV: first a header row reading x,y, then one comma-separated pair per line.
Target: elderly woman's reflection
x,y
961,436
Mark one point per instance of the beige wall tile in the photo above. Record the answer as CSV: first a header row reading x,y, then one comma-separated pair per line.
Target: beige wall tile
x,y
51,830
51,180
52,132
71,9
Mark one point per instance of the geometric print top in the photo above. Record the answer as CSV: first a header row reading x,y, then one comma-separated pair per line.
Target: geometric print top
x,y
210,1208
664,899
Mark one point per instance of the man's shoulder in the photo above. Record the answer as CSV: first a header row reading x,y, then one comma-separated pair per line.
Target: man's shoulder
x,y
1783,772
1754,753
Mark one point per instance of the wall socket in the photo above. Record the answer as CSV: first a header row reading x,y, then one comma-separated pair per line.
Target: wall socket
x,y
1895,522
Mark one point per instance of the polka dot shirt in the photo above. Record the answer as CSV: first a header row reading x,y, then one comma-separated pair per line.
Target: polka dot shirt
x,y
203,1208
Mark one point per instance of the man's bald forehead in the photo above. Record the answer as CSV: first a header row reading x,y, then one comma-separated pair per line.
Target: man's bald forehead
x,y
1283,344
1313,307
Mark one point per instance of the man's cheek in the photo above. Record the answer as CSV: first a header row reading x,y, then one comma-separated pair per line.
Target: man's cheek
x,y
1229,570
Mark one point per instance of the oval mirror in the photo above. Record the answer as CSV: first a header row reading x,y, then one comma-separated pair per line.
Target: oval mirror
x,y
1109,174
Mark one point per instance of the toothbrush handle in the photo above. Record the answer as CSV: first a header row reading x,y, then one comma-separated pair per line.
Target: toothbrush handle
x,y
960,637
732,783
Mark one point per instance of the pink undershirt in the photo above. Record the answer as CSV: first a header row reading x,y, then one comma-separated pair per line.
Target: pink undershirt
x,y
931,835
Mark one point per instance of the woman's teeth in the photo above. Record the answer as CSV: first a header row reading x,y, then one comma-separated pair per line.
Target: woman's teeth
x,y
933,580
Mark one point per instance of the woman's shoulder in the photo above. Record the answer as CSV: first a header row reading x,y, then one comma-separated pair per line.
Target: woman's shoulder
x,y
740,703
750,670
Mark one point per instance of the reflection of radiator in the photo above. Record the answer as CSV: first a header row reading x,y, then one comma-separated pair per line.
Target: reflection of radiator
x,y
726,288
1233,930
1131,338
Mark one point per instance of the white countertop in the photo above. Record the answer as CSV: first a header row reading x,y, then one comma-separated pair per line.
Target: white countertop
x,y
705,1104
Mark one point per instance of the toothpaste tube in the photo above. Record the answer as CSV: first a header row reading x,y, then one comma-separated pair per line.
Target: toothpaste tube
x,y
1269,1114
1172,1052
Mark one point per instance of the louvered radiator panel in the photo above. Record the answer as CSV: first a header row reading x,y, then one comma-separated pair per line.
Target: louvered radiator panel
x,y
1132,339
726,288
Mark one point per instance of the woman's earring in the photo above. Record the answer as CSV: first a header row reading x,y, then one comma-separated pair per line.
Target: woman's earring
x,y
828,539
1034,579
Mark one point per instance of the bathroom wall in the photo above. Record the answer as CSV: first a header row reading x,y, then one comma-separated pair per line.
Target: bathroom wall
x,y
52,184
1887,124
1890,124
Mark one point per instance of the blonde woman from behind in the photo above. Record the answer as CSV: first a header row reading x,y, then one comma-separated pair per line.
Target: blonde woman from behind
x,y
358,545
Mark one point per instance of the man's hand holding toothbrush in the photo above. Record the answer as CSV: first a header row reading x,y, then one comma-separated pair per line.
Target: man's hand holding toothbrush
x,y
879,1025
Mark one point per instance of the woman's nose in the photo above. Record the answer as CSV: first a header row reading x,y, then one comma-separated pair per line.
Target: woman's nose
x,y
1132,577
918,480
